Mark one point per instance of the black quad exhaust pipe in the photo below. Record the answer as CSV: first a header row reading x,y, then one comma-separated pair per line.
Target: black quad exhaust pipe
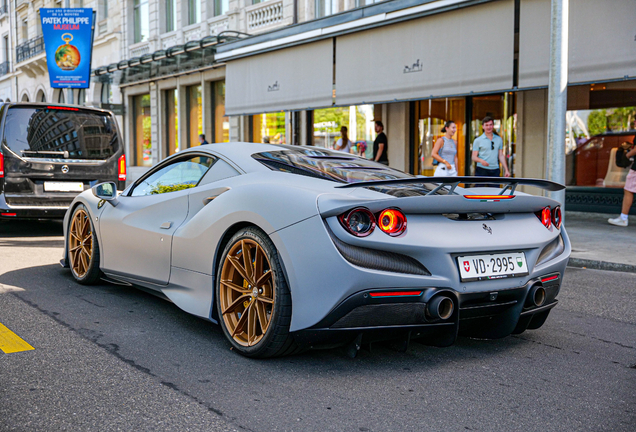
x,y
536,296
440,307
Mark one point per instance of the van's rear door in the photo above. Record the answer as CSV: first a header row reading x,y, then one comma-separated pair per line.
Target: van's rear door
x,y
51,153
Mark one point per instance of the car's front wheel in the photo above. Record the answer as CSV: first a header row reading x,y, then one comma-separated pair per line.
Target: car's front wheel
x,y
252,296
82,247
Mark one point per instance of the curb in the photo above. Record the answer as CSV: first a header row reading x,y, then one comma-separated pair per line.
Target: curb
x,y
601,265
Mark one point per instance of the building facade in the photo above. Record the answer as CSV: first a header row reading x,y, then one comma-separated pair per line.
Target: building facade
x,y
295,71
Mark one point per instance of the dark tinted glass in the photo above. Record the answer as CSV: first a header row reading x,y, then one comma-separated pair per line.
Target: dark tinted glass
x,y
62,134
340,167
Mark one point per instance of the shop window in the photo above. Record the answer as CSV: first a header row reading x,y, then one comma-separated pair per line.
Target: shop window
x,y
430,117
141,19
221,7
502,108
172,121
591,141
142,130
268,128
358,120
221,121
195,115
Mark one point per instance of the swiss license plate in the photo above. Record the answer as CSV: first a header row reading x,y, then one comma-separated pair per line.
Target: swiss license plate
x,y
63,186
492,266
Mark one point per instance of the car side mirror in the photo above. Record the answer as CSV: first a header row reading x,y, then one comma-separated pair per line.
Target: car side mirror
x,y
107,192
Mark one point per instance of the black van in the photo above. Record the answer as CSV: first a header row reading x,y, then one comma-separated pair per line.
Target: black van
x,y
50,153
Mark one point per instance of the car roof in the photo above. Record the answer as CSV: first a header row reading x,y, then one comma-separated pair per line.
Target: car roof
x,y
54,105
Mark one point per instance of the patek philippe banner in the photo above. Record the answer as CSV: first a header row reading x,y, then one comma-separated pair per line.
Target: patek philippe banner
x,y
68,41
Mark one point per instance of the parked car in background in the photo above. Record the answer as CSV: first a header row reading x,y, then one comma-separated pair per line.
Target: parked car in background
x,y
50,153
593,163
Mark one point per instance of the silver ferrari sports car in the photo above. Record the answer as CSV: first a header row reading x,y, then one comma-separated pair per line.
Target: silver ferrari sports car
x,y
289,247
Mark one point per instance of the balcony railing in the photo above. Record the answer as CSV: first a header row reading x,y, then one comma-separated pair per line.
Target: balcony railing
x,y
264,15
29,49
4,68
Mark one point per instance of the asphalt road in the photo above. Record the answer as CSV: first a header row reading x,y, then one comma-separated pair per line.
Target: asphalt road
x,y
110,358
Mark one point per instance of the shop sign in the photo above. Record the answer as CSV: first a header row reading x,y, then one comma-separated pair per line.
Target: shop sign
x,y
68,41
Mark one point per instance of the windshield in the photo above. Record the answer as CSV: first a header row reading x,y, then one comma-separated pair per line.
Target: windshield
x,y
340,167
48,132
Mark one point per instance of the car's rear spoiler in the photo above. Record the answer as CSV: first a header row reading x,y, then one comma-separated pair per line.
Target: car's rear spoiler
x,y
511,183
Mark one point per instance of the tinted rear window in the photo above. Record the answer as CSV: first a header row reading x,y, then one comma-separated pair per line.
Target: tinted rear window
x,y
60,134
341,167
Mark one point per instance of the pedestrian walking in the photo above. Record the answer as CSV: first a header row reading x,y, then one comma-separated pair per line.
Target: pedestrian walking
x,y
445,151
202,139
344,143
380,145
488,152
628,191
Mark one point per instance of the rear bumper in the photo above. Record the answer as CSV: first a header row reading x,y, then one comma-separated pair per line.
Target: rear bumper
x,y
36,208
491,314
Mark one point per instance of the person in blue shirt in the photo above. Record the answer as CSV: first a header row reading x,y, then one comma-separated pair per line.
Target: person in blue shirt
x,y
488,152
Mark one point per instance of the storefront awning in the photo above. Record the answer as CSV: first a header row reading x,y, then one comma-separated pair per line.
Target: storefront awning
x,y
295,78
601,41
470,50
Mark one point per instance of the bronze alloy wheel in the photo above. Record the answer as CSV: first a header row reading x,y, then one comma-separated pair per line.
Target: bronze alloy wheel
x,y
247,292
80,250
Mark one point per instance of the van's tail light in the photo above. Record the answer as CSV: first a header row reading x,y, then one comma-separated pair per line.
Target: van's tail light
x,y
360,222
1,165
545,216
557,217
121,168
392,222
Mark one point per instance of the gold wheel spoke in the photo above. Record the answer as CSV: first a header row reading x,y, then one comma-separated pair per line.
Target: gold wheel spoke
x,y
265,278
251,324
247,260
237,265
241,323
262,316
258,263
75,236
266,300
71,250
235,287
238,302
88,237
83,261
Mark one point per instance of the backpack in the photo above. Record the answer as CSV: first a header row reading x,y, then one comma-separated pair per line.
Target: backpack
x,y
622,160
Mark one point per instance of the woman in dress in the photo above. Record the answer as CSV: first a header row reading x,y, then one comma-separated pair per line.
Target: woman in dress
x,y
445,151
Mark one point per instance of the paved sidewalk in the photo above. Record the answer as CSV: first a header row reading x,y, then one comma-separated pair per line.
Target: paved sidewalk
x,y
597,244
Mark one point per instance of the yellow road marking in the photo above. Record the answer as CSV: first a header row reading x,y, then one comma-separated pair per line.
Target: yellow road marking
x,y
11,342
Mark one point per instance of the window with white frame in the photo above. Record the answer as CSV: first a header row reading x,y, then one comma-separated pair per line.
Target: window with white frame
x,y
141,20
326,7
194,11
102,10
171,15
221,7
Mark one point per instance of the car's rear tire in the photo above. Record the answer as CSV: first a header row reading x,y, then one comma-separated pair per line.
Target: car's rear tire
x,y
82,248
252,296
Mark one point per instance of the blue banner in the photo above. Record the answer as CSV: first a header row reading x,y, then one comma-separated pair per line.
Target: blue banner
x,y
68,41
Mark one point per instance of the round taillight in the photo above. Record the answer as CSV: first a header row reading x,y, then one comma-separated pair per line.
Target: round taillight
x,y
546,217
557,217
392,222
360,222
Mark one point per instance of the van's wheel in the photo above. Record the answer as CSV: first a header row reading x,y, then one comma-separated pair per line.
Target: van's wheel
x,y
82,247
252,297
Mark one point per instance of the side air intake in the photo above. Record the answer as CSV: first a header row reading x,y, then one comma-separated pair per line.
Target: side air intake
x,y
378,260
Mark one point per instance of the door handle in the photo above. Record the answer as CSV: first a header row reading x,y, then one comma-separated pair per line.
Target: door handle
x,y
166,225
